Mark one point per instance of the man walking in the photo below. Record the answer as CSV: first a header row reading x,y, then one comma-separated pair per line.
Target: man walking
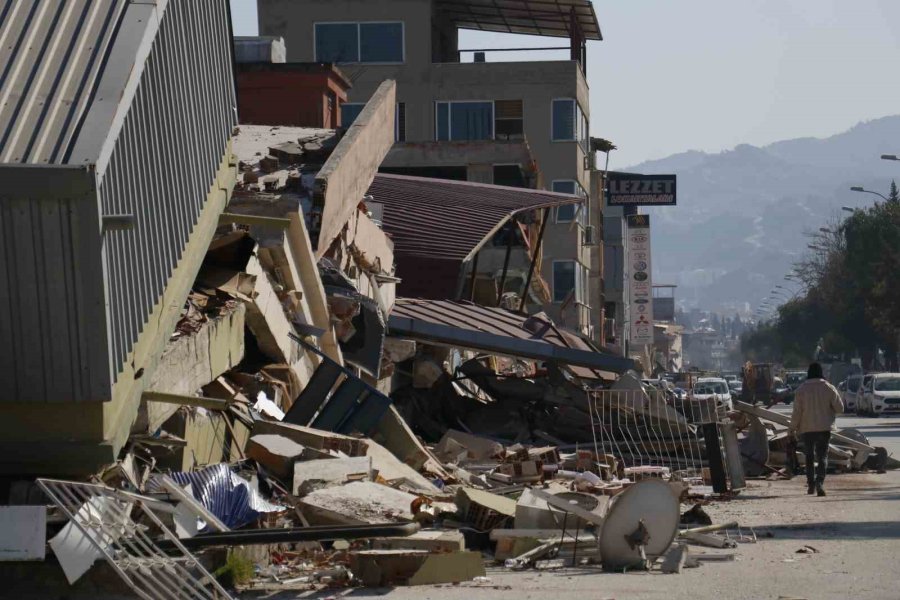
x,y
816,404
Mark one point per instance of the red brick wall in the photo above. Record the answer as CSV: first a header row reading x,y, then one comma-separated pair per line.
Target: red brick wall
x,y
291,98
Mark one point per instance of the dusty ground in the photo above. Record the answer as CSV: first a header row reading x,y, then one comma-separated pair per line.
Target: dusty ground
x,y
856,530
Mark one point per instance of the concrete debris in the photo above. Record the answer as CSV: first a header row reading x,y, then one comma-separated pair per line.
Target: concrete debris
x,y
357,503
275,452
285,414
380,568
317,474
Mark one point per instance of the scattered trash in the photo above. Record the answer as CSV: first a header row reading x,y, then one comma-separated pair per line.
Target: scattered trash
x,y
807,550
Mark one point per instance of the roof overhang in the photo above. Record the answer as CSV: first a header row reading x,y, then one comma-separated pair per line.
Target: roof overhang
x,y
548,18
496,331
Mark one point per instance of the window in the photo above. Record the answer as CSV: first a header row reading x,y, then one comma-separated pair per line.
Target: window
x,y
349,112
569,275
508,120
570,123
400,123
464,121
359,42
569,212
381,42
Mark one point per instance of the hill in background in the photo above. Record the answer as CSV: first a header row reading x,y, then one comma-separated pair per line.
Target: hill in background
x,y
742,213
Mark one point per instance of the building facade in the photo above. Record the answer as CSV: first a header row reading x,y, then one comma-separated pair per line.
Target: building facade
x,y
455,109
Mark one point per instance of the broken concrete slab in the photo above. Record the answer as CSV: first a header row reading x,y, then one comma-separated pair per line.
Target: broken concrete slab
x,y
478,448
358,503
314,438
432,540
276,453
379,568
390,468
315,474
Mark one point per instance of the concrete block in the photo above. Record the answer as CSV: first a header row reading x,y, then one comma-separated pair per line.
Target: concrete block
x,y
478,448
314,474
358,503
276,453
437,540
379,568
314,438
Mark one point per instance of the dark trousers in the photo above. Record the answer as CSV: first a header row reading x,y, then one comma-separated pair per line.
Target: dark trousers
x,y
815,444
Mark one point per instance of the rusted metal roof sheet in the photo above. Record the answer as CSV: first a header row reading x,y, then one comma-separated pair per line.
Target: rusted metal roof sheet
x,y
499,331
549,18
445,219
53,56
437,224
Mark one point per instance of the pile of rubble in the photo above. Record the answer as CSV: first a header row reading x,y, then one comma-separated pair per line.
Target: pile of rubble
x,y
305,428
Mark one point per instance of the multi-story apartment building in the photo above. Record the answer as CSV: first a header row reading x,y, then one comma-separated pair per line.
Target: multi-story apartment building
x,y
478,120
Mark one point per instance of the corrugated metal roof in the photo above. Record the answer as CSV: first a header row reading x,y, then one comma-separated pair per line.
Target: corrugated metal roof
x,y
445,219
550,18
52,57
499,331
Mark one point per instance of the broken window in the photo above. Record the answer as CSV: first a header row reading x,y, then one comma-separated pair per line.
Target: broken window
x,y
570,212
509,123
359,42
464,121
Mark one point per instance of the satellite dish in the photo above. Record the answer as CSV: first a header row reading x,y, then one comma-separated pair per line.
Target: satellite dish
x,y
641,524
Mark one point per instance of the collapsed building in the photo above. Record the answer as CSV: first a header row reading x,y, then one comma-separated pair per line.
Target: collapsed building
x,y
257,341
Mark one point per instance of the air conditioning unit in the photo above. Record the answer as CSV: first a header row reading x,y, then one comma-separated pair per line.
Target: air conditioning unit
x,y
590,236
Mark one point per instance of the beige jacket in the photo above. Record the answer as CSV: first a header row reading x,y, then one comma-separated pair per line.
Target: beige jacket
x,y
816,404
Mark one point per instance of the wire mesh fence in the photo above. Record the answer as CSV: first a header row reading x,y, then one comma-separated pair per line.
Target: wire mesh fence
x,y
652,437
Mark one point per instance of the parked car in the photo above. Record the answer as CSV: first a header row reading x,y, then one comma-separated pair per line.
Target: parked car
x,y
736,387
866,383
793,379
881,394
849,390
714,387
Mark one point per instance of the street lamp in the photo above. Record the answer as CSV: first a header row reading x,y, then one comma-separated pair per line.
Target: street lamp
x,y
889,157
857,188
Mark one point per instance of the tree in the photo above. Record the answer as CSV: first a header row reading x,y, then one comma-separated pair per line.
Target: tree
x,y
894,194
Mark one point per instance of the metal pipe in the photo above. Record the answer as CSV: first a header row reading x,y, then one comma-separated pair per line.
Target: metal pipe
x,y
257,537
537,252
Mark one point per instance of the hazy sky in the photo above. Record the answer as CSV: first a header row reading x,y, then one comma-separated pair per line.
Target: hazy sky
x,y
675,75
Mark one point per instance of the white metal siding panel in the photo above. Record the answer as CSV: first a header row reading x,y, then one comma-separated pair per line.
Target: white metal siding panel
x,y
164,161
52,313
52,54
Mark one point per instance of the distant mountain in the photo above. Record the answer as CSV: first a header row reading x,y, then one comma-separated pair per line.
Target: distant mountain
x,y
742,213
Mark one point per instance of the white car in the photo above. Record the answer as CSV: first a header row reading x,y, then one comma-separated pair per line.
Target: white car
x,y
882,394
714,387
865,383
849,388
